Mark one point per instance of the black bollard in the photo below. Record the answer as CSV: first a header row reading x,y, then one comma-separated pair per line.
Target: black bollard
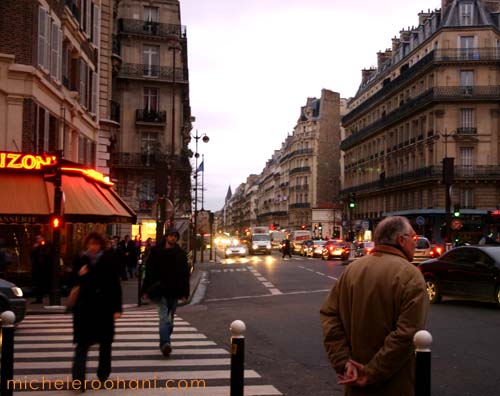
x,y
139,282
237,357
7,365
422,341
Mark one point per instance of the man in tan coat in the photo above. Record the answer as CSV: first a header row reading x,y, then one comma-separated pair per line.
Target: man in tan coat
x,y
372,313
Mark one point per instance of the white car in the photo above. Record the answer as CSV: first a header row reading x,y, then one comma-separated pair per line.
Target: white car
x,y
235,250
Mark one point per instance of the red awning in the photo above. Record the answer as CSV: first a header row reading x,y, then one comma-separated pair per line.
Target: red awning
x,y
28,198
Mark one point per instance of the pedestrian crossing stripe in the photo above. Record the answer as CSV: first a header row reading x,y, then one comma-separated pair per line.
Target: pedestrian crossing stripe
x,y
43,348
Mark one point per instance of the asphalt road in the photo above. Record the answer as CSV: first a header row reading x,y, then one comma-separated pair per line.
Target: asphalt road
x,y
279,302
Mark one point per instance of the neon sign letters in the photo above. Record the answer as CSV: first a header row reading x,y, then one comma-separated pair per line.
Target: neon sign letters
x,y
25,161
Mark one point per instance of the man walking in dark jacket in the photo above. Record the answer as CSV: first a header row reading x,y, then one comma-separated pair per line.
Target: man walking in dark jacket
x,y
166,282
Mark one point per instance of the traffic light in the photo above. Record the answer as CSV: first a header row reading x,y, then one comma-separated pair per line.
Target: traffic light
x,y
352,200
320,226
56,222
303,226
315,226
456,210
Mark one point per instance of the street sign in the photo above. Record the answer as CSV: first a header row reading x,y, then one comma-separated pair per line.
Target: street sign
x,y
420,220
203,222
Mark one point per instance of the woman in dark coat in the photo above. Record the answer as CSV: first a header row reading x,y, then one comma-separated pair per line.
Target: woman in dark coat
x,y
98,305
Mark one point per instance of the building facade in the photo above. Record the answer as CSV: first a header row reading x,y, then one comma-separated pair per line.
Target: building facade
x,y
150,158
301,181
433,95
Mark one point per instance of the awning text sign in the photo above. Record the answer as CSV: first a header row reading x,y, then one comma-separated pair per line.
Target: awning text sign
x,y
25,161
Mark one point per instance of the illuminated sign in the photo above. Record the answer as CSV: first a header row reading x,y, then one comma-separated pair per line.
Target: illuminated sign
x,y
25,161
91,173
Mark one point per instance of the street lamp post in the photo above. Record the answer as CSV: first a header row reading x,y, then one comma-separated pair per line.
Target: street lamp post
x,y
205,139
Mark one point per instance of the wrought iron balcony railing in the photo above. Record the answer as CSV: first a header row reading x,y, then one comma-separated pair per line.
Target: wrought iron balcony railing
x,y
482,92
138,160
466,131
300,169
146,115
486,54
147,28
303,205
160,73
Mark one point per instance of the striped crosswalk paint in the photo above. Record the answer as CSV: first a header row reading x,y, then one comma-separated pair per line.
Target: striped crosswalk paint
x,y
197,366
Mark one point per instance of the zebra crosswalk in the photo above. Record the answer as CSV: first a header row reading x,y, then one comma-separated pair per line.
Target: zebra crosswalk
x,y
43,354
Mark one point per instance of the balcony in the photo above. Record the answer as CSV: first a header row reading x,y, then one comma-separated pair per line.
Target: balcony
x,y
466,131
485,54
138,160
150,116
299,170
151,29
436,94
308,151
152,72
303,205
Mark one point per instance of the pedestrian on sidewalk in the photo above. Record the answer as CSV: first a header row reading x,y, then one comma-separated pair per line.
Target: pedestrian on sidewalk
x,y
166,282
98,306
42,255
372,313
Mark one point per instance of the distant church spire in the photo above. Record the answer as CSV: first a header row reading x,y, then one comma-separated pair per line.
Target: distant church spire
x,y
229,194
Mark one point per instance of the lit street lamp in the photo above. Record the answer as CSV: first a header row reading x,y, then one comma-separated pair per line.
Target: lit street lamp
x,y
205,139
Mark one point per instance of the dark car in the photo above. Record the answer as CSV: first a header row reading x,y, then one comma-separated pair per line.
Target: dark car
x,y
471,272
336,248
363,248
11,299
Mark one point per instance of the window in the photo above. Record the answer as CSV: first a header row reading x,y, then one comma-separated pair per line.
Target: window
x,y
151,60
146,193
467,118
467,160
55,52
150,146
466,78
466,14
467,198
95,25
466,47
94,92
150,100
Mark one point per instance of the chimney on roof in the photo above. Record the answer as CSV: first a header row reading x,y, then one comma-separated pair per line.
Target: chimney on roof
x,y
366,74
404,35
382,57
422,16
395,44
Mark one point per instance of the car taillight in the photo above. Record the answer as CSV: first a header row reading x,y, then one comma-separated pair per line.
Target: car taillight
x,y
331,248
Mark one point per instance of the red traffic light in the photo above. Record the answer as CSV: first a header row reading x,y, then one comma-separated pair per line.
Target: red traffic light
x,y
56,222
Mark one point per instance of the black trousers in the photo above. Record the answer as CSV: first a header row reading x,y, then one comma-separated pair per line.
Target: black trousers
x,y
80,361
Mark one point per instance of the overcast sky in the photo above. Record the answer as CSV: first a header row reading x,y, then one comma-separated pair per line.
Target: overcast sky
x,y
254,63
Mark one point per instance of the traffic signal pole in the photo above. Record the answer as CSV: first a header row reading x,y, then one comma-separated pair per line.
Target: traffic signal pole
x,y
56,223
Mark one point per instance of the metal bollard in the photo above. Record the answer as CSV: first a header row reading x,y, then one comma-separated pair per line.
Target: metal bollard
x,y
7,365
139,282
422,341
237,329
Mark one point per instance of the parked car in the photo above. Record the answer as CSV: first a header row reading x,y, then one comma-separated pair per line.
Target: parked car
x,y
316,249
470,271
11,299
363,248
236,249
305,246
337,248
423,250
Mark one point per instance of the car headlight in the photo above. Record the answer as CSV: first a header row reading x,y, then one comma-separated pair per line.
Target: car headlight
x,y
17,291
255,246
268,246
242,250
228,251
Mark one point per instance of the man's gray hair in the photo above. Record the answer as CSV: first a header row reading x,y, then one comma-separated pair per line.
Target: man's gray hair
x,y
388,230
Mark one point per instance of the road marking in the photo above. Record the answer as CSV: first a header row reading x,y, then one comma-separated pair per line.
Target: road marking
x,y
268,295
275,291
331,277
320,273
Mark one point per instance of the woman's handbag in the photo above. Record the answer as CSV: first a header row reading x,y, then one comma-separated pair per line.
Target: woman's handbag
x,y
73,296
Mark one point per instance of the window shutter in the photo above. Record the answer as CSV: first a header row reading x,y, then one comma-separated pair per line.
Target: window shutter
x,y
48,32
95,92
54,42
88,24
96,16
41,37
59,55
83,81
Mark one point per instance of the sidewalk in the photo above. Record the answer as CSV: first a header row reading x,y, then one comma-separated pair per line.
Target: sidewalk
x,y
129,291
